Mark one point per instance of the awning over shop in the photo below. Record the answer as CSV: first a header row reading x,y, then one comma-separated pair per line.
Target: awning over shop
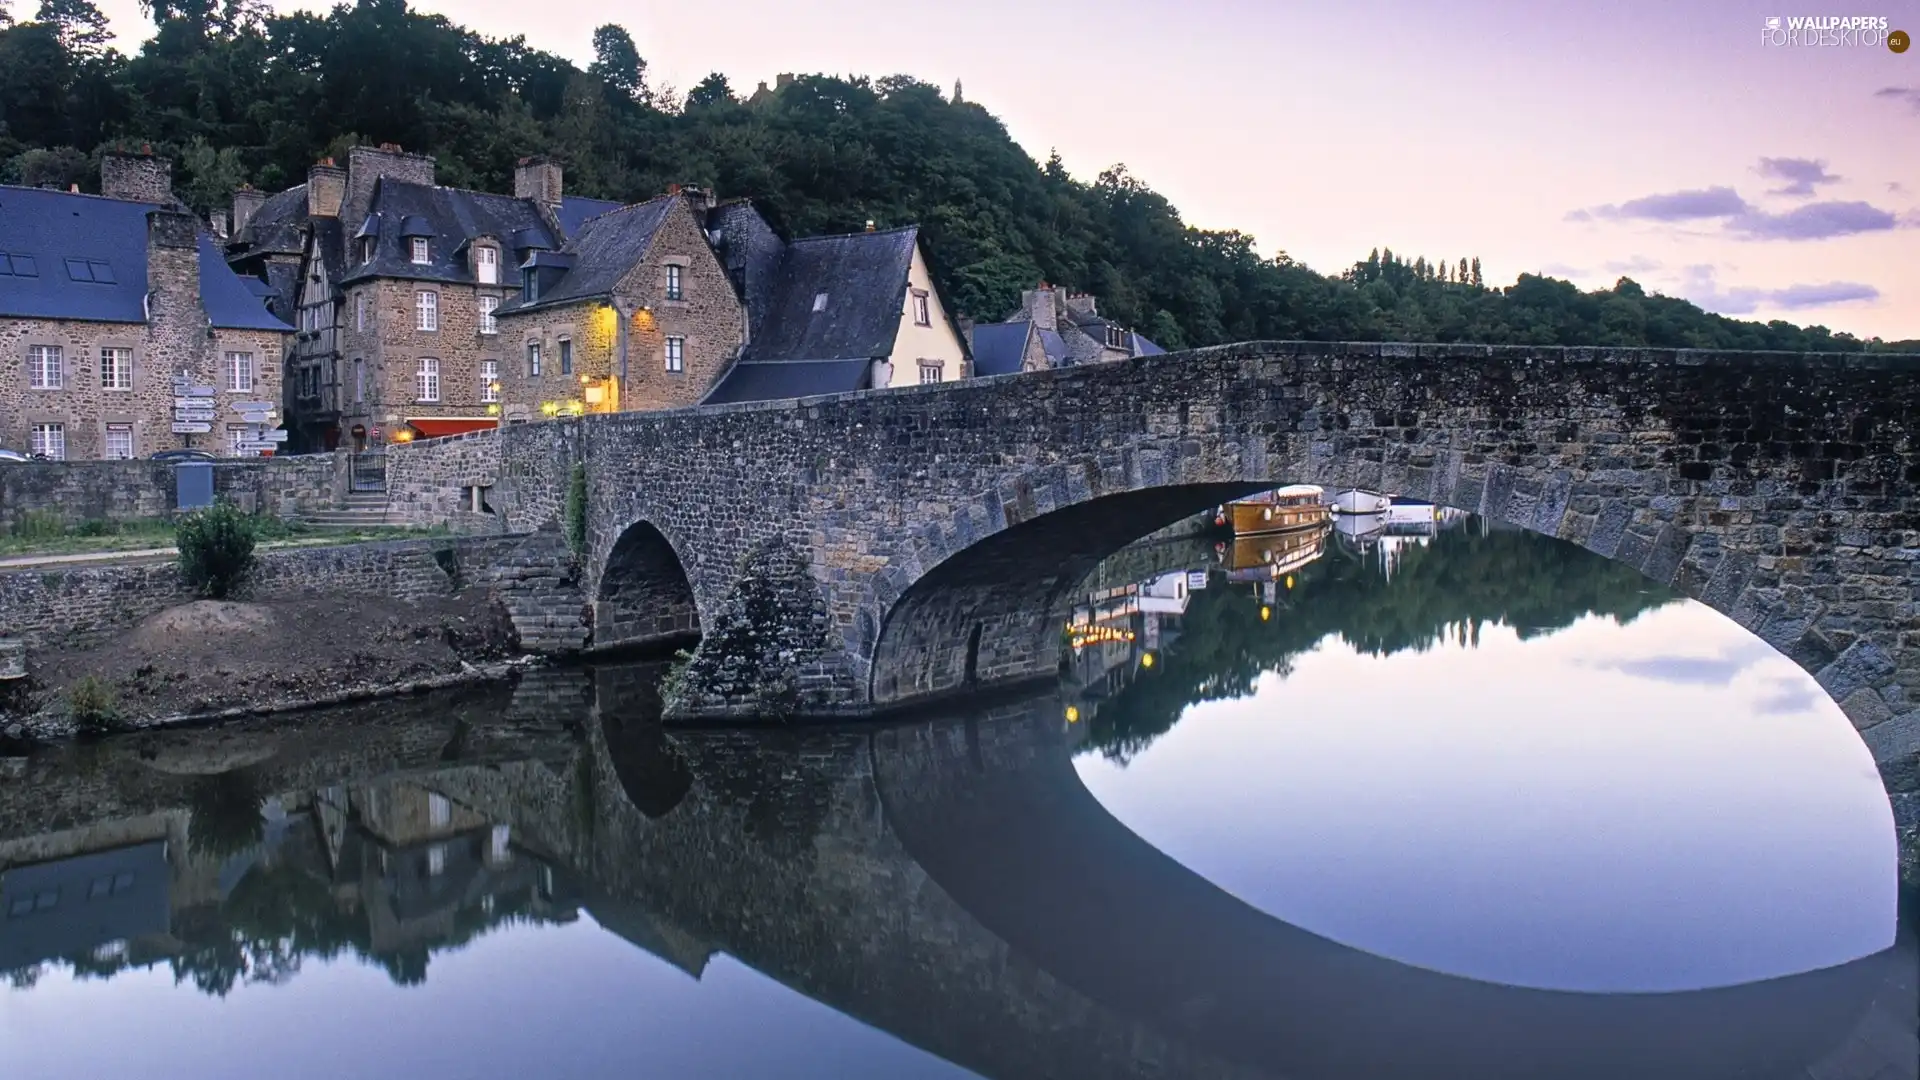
x,y
433,427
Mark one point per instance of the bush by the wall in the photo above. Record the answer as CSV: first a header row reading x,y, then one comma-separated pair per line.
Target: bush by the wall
x,y
216,549
93,706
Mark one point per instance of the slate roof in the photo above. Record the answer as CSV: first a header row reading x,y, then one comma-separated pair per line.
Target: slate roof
x,y
1000,348
789,379
85,257
604,250
1054,346
452,217
575,211
275,226
864,277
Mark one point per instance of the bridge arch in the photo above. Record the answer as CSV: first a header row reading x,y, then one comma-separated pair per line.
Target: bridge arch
x,y
643,596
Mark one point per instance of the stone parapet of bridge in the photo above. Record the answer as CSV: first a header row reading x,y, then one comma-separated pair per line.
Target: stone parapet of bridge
x,y
941,527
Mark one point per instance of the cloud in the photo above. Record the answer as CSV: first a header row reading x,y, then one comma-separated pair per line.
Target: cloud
x,y
1802,175
1718,670
1713,202
1910,95
1700,284
1814,221
1789,698
1562,270
1896,187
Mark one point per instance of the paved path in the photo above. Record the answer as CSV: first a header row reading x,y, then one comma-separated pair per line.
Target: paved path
x,y
103,558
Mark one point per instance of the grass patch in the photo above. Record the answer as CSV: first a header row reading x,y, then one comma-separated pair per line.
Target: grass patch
x,y
93,705
48,535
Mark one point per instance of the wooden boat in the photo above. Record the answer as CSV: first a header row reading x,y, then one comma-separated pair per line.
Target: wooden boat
x,y
1268,556
1301,506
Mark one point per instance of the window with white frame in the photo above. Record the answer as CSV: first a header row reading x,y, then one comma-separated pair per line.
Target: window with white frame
x,y
489,381
429,380
427,306
1116,338
119,445
44,367
439,810
488,323
921,315
676,353
421,255
929,371
673,283
533,359
116,369
48,441
486,265
239,373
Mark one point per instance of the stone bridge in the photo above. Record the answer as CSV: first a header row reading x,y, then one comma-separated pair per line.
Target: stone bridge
x,y
857,553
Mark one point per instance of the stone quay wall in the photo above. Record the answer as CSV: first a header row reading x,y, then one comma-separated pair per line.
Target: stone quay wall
x,y
77,491
76,607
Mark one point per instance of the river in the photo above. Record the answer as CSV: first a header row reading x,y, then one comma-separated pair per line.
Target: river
x,y
1453,802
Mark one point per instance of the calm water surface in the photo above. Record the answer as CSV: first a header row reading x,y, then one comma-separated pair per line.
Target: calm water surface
x,y
1460,803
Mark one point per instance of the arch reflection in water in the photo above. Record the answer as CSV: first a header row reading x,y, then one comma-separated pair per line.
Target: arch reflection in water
x,y
979,884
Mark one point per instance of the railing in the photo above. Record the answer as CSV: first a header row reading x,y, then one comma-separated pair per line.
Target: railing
x,y
367,470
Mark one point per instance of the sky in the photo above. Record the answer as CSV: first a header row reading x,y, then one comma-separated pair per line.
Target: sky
x,y
1657,140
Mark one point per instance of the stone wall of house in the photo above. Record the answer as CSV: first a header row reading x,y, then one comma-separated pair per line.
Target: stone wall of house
x,y
709,318
78,491
87,401
578,354
392,346
67,608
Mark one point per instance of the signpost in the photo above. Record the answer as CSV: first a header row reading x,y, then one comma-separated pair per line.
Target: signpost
x,y
180,428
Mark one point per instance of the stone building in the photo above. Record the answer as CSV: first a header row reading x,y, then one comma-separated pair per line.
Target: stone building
x,y
828,314
394,283
634,312
1052,328
109,306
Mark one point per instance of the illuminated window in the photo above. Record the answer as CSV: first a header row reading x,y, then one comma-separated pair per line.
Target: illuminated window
x,y
489,381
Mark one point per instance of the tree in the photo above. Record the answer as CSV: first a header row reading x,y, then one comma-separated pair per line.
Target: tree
x,y
58,167
710,91
1476,272
617,62
81,27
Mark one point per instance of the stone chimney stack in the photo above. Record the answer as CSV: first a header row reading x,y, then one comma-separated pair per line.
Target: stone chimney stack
x,y
368,165
1038,301
539,179
140,177
326,189
246,203
1082,304
699,198
173,281
782,80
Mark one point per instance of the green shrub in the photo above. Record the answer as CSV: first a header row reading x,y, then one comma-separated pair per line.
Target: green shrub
x,y
94,707
216,548
577,510
39,525
96,527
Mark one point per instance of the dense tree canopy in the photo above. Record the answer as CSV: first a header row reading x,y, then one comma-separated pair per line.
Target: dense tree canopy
x,y
236,94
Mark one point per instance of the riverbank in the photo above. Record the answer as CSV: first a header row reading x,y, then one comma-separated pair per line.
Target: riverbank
x,y
205,660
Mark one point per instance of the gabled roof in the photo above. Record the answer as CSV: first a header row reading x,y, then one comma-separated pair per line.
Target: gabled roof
x,y
575,211
1000,348
606,248
276,224
864,279
229,303
85,257
451,218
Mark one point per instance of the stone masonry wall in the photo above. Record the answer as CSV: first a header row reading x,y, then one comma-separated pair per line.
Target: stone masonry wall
x,y
708,317
588,330
79,606
77,491
393,345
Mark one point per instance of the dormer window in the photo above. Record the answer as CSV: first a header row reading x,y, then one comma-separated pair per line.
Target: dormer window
x,y
486,265
421,254
366,250
528,283
1116,338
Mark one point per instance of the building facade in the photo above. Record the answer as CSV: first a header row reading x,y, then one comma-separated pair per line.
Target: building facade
x,y
116,307
1053,328
636,312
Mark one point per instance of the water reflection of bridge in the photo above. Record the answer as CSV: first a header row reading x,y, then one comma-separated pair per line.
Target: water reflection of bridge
x,y
948,881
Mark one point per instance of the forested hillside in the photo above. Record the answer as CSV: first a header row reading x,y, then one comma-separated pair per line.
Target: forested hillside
x,y
237,95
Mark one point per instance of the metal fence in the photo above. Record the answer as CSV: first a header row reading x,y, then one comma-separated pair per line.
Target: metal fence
x,y
367,470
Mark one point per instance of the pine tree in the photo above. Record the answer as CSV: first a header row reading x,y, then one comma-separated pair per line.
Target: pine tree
x,y
1477,282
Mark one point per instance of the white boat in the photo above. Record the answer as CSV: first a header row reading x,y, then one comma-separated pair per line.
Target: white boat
x,y
1356,501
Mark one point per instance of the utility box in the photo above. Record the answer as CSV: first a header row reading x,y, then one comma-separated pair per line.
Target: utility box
x,y
193,485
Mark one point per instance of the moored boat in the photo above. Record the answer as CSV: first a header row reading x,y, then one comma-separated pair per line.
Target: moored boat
x,y
1356,501
1299,506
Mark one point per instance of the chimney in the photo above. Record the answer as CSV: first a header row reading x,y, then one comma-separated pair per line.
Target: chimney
x,y
367,166
140,177
869,224
246,203
1038,303
173,269
673,189
698,197
783,80
326,189
217,221
1082,304
539,179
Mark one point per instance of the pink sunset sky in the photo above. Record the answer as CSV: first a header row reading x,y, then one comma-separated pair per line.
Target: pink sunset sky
x,y
1650,138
